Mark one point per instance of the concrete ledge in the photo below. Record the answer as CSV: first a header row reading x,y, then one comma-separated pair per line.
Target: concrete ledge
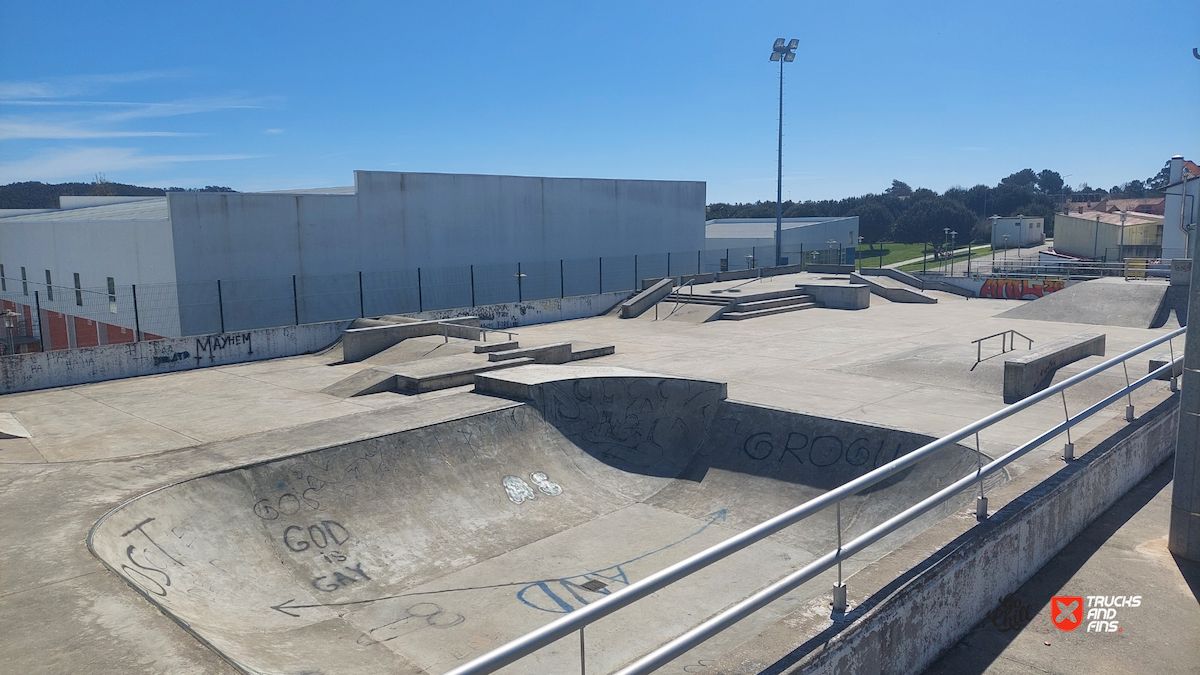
x,y
1031,373
910,606
922,283
522,384
839,296
559,352
639,303
1162,360
420,380
893,290
361,343
488,347
592,352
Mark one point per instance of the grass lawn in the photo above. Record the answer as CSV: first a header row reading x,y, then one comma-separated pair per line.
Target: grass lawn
x,y
959,255
893,253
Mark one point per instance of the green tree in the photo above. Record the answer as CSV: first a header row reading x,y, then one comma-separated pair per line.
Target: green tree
x,y
899,189
874,222
926,221
1049,182
1025,178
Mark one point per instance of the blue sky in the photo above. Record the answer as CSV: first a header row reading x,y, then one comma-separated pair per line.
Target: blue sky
x,y
261,96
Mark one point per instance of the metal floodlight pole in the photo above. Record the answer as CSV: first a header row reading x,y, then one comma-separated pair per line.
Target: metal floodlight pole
x,y
783,54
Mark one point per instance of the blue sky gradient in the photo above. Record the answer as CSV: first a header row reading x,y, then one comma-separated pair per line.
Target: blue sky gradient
x,y
261,96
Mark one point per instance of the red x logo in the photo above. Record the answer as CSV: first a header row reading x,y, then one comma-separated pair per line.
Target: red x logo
x,y
1067,611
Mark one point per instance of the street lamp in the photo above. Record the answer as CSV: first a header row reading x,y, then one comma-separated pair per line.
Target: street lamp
x,y
1006,250
783,54
831,243
953,234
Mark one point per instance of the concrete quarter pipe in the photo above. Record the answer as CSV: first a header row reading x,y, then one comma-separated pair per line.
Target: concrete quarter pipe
x,y
416,551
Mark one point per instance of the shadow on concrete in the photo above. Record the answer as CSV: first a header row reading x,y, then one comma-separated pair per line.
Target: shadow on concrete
x,y
1040,588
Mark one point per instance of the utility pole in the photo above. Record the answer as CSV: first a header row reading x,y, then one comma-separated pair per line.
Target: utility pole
x,y
1184,538
783,54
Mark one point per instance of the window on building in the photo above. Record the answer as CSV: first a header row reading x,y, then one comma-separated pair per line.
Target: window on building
x,y
3,281
24,282
78,292
49,287
112,295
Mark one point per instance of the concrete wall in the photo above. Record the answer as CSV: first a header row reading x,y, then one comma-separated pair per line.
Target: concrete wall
x,y
1021,231
26,372
1008,289
808,237
132,252
513,314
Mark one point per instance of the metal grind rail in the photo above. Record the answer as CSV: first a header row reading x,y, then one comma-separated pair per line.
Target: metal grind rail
x,y
579,619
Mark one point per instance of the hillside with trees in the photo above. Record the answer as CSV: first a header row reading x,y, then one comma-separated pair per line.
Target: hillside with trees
x,y
914,216
36,195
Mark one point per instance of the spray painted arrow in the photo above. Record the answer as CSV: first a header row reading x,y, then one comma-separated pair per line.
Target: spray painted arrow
x,y
286,605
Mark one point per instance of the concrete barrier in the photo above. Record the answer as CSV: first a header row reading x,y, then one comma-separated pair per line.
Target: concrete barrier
x,y
63,367
922,283
643,301
559,352
1031,373
839,296
361,343
1163,359
829,269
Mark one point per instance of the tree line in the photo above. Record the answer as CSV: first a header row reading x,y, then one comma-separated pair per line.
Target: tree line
x,y
38,195
914,216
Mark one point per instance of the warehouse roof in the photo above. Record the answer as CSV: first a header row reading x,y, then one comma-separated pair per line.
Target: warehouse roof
x,y
154,208
743,228
1131,217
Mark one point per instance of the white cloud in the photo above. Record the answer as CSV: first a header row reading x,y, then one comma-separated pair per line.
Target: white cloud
x,y
14,128
63,87
63,165
274,131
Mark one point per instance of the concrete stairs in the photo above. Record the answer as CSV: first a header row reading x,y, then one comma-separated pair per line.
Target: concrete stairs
x,y
753,305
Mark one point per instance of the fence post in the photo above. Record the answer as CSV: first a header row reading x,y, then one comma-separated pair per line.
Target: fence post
x,y
519,297
420,296
968,258
668,263
472,285
924,256
727,264
137,324
698,262
600,270
801,257
37,303
362,306
296,301
562,282
221,305
635,278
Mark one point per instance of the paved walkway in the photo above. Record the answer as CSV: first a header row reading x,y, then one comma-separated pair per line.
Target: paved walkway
x,y
1123,553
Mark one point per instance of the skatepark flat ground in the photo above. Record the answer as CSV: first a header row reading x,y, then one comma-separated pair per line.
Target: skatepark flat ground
x,y
95,446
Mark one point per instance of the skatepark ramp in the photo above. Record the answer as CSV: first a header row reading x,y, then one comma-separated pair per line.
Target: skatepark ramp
x,y
1106,302
416,551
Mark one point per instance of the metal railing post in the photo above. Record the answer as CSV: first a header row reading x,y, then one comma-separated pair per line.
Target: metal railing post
x,y
698,253
362,306
472,285
839,589
1129,416
221,305
635,277
137,323
1174,382
1068,447
520,298
296,299
582,654
562,280
420,293
37,304
981,511
668,263
600,273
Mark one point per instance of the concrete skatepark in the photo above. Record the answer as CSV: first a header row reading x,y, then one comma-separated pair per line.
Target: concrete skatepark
x,y
220,493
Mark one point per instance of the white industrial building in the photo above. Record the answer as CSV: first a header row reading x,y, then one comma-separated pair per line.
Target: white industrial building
x,y
755,237
1181,209
386,221
1017,231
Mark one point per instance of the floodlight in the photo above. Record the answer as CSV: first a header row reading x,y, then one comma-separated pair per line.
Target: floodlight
x,y
793,44
774,56
790,57
779,42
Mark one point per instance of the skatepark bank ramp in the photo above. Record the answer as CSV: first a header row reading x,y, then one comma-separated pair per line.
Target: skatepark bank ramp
x,y
416,551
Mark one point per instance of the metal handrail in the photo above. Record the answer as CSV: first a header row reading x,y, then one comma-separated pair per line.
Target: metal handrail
x,y
581,618
1005,346
678,302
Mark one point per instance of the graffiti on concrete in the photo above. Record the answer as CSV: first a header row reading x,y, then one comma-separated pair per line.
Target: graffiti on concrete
x,y
519,491
173,358
566,594
212,345
415,617
819,451
1017,289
